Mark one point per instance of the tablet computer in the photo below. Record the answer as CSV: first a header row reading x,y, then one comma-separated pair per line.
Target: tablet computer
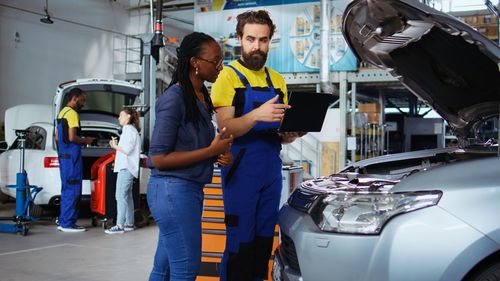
x,y
307,113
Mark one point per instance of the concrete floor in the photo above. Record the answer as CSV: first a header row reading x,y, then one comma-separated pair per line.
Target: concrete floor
x,y
50,255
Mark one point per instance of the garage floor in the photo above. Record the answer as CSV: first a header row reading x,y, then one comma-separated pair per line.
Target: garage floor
x,y
48,254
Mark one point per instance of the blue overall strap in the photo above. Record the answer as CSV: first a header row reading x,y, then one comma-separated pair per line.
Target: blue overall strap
x,y
268,79
78,131
243,79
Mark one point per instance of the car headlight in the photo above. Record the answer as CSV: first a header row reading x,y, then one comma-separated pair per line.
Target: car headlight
x,y
366,213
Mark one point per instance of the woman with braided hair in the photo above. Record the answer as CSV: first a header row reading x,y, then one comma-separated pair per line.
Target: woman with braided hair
x,y
182,153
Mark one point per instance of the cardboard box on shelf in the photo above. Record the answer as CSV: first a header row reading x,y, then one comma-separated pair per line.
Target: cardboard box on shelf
x,y
480,19
369,107
330,160
492,30
374,118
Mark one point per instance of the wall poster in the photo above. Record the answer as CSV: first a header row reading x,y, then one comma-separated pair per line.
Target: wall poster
x,y
295,47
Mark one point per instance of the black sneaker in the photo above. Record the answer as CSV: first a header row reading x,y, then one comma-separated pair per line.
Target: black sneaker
x,y
74,228
128,227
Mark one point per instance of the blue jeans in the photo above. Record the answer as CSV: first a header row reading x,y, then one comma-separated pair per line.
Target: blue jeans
x,y
176,205
124,198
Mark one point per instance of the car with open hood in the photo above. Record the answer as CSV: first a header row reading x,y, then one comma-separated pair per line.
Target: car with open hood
x,y
421,215
98,118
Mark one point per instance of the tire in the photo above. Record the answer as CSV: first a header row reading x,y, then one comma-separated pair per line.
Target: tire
x,y
4,198
107,223
141,218
36,210
487,273
94,221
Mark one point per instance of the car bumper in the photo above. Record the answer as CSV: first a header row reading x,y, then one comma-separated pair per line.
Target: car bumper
x,y
413,246
51,191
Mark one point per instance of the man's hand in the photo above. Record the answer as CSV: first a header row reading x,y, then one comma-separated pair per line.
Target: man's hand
x,y
88,140
289,137
270,111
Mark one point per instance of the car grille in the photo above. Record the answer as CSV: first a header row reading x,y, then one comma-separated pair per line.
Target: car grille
x,y
289,253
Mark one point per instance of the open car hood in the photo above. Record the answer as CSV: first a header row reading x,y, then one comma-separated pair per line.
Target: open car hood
x,y
23,115
446,63
105,98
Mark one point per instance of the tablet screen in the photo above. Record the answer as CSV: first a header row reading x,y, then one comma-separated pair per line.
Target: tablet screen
x,y
307,112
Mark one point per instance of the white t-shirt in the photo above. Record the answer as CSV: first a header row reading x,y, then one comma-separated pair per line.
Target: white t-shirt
x,y
130,142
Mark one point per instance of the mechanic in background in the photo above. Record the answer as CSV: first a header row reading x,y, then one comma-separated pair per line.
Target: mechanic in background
x,y
69,150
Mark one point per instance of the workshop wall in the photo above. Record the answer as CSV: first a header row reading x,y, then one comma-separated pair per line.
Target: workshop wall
x,y
36,57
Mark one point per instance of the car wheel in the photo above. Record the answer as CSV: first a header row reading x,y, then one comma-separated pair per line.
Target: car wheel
x,y
107,223
4,198
277,270
141,218
488,273
94,221
36,210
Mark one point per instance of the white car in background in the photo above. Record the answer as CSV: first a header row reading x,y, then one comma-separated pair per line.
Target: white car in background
x,y
99,119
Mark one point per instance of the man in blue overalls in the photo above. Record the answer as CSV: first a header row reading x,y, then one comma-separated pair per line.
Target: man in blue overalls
x,y
69,150
250,102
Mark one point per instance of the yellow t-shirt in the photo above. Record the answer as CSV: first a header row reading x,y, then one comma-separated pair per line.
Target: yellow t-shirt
x,y
228,88
71,116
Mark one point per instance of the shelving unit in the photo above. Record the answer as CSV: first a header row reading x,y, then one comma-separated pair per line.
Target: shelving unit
x,y
482,20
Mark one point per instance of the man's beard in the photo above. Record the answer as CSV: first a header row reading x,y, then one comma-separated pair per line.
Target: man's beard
x,y
254,60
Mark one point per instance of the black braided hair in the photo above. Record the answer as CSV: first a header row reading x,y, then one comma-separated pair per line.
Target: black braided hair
x,y
191,46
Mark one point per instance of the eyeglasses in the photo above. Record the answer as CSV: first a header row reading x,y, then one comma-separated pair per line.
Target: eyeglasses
x,y
217,64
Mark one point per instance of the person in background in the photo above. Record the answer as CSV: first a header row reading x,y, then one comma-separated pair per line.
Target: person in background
x,y
182,153
69,150
250,100
128,151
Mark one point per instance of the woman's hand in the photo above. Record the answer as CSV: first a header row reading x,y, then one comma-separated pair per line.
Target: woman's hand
x,y
225,158
113,143
221,143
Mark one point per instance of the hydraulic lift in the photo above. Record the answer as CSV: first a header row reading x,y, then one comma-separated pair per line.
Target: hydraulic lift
x,y
25,195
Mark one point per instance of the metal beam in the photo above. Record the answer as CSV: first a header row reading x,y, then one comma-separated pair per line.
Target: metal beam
x,y
361,76
343,117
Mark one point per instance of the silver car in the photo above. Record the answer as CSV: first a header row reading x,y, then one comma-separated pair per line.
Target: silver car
x,y
422,215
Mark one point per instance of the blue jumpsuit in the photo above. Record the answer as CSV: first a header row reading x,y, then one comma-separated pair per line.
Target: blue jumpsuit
x,y
70,167
251,192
